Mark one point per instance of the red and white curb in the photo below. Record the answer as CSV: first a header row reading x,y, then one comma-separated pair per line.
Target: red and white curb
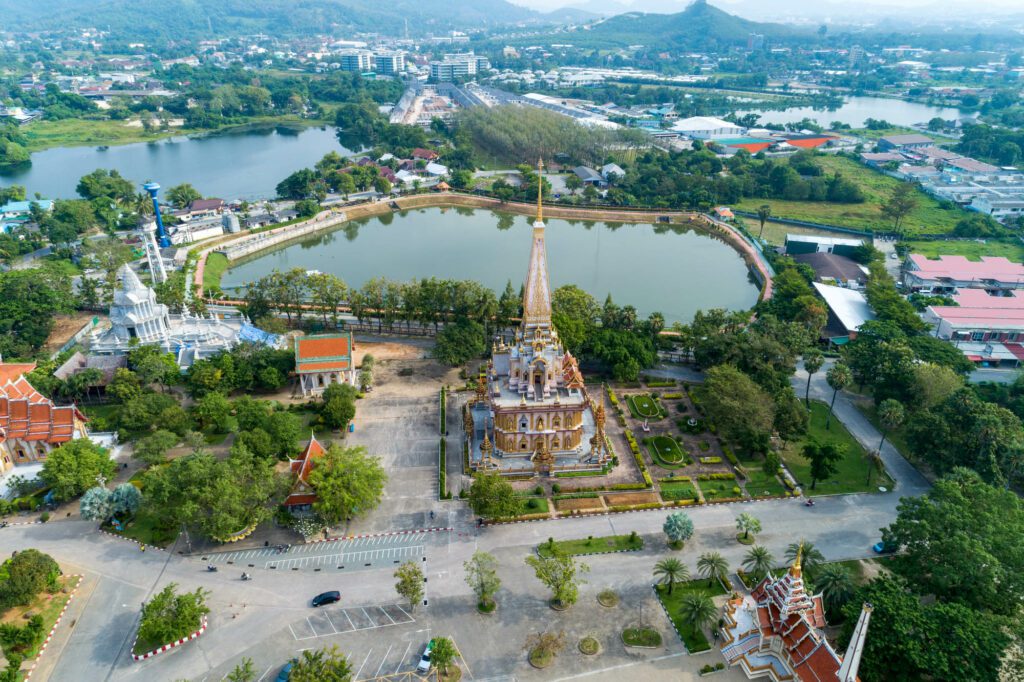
x,y
49,636
167,647
132,540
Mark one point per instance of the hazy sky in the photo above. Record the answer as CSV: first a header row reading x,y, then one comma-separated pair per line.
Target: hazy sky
x,y
766,9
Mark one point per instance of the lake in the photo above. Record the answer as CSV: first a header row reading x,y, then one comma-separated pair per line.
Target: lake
x,y
655,268
245,163
856,109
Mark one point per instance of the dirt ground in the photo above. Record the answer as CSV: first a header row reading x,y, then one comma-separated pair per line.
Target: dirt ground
x,y
66,326
386,350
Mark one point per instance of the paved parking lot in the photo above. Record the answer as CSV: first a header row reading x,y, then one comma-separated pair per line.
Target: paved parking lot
x,y
356,554
327,621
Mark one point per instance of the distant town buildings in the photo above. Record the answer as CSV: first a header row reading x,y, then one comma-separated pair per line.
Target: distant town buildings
x,y
458,66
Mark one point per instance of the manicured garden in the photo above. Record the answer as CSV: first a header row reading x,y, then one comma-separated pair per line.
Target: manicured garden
x,y
665,451
760,484
852,470
645,637
719,490
678,490
147,528
643,407
591,545
693,637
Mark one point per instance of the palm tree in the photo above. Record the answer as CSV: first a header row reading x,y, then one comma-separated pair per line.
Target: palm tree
x,y
763,213
839,377
698,610
713,565
813,360
671,571
891,415
835,585
810,556
758,561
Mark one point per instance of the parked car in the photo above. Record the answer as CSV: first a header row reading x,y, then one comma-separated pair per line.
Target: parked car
x,y
883,547
286,671
424,665
325,598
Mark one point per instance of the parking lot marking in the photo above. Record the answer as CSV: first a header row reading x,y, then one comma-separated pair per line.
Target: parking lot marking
x,y
383,661
403,658
265,673
326,613
386,614
349,619
356,676
403,611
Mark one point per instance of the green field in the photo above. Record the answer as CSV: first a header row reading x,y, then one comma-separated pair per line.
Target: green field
x,y
693,637
607,543
851,476
678,490
643,407
718,490
927,218
759,483
216,265
775,233
146,528
666,451
972,250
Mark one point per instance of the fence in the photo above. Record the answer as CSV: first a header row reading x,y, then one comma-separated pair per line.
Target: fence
x,y
863,234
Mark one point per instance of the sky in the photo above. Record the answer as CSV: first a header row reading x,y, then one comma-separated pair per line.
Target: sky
x,y
808,9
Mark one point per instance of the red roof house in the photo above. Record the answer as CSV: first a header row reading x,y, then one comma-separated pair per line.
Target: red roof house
x,y
425,154
30,424
302,495
322,360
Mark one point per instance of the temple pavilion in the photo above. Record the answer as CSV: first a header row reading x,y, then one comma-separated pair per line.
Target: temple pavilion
x,y
775,632
532,412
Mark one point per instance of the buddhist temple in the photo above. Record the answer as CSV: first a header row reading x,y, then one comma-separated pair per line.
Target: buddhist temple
x,y
322,360
30,424
137,317
775,632
302,496
532,412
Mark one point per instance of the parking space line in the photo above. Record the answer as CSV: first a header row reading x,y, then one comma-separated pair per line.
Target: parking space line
x,y
386,614
383,661
345,611
399,607
265,673
367,616
331,622
356,676
403,658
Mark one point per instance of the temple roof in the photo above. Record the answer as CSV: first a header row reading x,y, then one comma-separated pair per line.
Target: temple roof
x,y
302,491
27,414
323,353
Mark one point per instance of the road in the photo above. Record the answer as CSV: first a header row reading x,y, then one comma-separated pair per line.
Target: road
x,y
270,621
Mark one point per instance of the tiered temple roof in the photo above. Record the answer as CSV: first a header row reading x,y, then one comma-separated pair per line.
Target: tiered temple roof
x,y
302,492
28,415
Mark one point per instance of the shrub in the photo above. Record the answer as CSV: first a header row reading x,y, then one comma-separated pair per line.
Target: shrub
x,y
25,575
717,477
710,460
672,396
555,488
736,490
729,455
705,446
539,490
44,517
627,486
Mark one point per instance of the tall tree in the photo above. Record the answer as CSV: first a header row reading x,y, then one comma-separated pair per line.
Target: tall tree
x,y
764,211
758,561
678,527
482,577
740,409
835,584
348,484
410,583
838,378
813,361
901,202
74,467
321,665
492,496
824,458
560,573
713,566
698,609
747,524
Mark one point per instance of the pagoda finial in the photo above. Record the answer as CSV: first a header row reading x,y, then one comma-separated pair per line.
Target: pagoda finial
x,y
795,570
540,190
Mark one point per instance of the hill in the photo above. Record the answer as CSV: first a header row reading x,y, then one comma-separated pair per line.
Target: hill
x,y
192,19
699,27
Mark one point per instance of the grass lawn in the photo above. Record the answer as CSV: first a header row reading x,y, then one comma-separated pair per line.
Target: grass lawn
x,y
536,505
759,483
666,451
216,265
896,437
927,218
851,476
678,490
66,267
718,490
775,233
145,528
643,407
641,637
972,250
73,132
693,637
608,543
46,605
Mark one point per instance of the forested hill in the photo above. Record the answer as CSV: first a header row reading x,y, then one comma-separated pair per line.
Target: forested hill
x,y
699,27
192,19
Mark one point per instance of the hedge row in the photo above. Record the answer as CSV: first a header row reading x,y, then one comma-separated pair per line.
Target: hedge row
x,y
634,447
442,476
717,477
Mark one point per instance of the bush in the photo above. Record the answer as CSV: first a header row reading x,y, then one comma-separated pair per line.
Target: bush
x,y
710,460
25,575
539,490
555,488
672,396
717,477
736,490
729,455
169,616
44,517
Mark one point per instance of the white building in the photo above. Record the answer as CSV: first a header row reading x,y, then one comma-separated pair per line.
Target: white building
x,y
389,63
360,61
707,128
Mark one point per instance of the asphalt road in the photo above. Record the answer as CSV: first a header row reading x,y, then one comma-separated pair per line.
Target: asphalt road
x,y
270,620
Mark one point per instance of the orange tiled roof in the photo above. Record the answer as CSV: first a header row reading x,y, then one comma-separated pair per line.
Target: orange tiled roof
x,y
27,414
301,467
325,366
323,353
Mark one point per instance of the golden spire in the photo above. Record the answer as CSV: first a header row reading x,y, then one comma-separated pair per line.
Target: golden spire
x,y
795,569
540,190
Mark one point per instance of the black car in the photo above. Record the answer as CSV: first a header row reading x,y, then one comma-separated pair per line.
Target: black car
x,y
325,598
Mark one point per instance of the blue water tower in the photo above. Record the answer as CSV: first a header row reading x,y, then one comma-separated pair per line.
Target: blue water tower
x,y
162,238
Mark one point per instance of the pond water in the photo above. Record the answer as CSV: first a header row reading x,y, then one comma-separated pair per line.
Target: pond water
x,y
243,163
856,109
661,268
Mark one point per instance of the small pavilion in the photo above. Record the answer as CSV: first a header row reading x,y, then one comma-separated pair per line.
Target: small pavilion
x,y
322,360
302,496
